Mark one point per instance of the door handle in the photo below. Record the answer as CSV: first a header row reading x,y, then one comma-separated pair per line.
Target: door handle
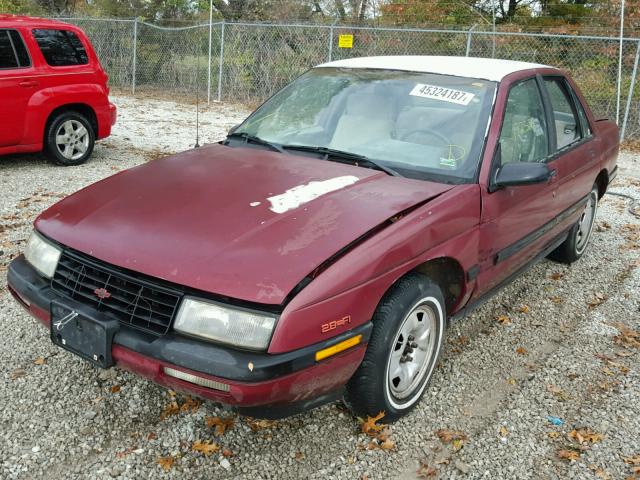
x,y
553,176
28,83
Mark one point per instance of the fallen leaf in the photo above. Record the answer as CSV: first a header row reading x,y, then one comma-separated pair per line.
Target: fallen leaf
x,y
171,409
221,424
553,434
556,299
635,460
521,351
152,436
568,454
370,427
388,444
627,337
207,447
600,472
115,388
524,309
450,436
166,462
585,435
126,452
425,471
17,373
512,381
504,431
557,392
504,320
597,299
255,424
556,276
40,361
190,405
299,456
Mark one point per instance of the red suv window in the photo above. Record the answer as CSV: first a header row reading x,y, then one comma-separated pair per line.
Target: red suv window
x,y
61,47
13,53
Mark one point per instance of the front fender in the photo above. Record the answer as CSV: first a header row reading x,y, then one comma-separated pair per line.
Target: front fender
x,y
45,101
349,291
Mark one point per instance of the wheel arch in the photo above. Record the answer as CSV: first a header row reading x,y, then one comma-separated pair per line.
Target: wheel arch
x,y
82,108
449,275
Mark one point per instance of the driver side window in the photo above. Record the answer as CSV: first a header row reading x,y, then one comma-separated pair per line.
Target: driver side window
x,y
523,137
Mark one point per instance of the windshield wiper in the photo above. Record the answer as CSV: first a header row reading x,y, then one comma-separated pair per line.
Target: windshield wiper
x,y
247,137
357,159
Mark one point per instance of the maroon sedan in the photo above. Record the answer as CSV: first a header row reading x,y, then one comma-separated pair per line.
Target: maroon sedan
x,y
320,251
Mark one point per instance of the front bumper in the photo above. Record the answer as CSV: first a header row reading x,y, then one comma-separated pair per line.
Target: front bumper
x,y
258,384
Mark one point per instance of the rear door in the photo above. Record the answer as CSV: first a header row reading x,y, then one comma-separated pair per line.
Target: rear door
x,y
515,220
576,149
17,84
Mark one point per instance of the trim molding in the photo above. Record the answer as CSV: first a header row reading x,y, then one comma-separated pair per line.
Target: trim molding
x,y
528,239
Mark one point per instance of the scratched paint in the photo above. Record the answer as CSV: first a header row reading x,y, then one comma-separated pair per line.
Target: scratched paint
x,y
296,196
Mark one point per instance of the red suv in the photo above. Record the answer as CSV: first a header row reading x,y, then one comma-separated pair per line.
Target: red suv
x,y
53,90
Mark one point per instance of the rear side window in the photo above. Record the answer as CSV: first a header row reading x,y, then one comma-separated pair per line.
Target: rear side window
x,y
565,116
13,53
61,47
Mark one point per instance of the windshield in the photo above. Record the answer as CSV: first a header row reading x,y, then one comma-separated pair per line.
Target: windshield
x,y
421,125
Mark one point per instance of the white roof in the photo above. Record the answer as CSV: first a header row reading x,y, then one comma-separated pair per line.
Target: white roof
x,y
472,67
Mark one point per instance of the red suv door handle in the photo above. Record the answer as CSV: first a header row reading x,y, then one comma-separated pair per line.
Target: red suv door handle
x,y
553,176
28,83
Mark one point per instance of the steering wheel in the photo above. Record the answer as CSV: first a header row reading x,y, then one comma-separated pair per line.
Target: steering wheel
x,y
428,131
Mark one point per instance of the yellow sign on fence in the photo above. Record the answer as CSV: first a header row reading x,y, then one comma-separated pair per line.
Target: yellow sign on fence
x,y
345,41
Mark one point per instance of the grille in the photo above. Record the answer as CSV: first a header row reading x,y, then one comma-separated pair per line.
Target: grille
x,y
136,302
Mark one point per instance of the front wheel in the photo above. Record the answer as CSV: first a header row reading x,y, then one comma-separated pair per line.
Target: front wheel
x,y
578,238
408,332
70,139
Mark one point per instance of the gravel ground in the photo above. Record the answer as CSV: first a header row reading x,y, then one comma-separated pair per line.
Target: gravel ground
x,y
555,352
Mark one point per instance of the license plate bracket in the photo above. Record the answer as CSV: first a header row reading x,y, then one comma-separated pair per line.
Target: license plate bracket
x,y
85,333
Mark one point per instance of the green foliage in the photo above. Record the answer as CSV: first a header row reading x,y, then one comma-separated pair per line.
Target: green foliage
x,y
23,7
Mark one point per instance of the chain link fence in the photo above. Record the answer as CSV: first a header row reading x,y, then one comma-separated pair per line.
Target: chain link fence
x,y
248,62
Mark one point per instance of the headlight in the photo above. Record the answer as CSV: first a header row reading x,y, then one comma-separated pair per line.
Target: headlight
x,y
223,324
42,255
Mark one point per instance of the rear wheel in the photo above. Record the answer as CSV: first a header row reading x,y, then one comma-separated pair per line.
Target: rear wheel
x,y
578,238
70,139
408,332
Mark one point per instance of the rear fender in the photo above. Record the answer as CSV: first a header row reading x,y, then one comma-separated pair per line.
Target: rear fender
x,y
45,101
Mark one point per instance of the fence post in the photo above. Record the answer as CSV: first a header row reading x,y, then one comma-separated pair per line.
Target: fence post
x,y
221,61
330,43
631,85
469,33
135,54
209,61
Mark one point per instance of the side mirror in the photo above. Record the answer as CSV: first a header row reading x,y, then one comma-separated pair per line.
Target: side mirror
x,y
522,173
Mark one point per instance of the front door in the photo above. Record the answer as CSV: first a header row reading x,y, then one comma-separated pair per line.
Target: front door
x,y
17,84
514,219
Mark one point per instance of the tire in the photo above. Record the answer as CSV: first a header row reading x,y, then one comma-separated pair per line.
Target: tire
x,y
578,238
372,389
70,139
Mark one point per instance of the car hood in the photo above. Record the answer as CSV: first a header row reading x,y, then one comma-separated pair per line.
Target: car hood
x,y
241,222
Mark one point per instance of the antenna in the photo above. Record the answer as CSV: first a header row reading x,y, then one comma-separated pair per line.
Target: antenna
x,y
197,103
